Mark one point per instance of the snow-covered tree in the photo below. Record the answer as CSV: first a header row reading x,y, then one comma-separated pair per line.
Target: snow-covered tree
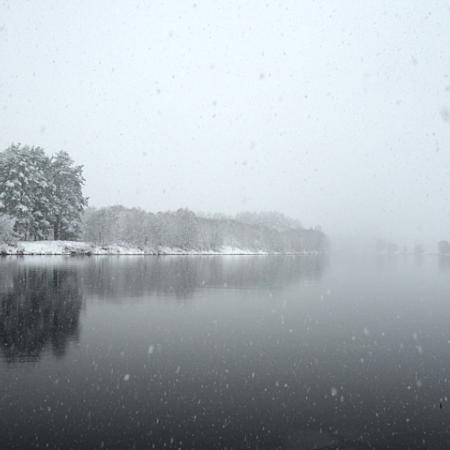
x,y
25,191
68,201
188,231
41,194
6,229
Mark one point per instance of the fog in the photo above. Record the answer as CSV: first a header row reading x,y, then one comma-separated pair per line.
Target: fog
x,y
336,114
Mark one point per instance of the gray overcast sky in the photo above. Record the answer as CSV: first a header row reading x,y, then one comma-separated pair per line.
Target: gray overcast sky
x,y
336,113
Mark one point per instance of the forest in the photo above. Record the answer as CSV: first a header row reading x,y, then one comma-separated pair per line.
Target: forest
x,y
41,198
186,230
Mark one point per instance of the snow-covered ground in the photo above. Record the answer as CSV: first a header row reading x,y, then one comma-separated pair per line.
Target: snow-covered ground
x,y
66,248
86,248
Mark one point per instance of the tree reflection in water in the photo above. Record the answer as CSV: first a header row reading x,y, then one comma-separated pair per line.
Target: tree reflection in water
x,y
39,309
181,276
41,299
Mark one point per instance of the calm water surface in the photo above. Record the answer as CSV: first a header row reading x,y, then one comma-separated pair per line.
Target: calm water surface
x,y
264,352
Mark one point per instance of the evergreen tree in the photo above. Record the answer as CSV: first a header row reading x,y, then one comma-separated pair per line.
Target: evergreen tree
x,y
25,192
68,201
41,194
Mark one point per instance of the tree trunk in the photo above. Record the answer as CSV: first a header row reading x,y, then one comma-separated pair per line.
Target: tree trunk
x,y
56,231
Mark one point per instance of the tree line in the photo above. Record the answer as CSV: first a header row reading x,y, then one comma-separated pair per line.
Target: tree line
x,y
41,198
189,231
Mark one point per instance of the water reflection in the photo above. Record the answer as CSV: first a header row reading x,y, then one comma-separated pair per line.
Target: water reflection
x,y
39,309
115,278
261,352
41,299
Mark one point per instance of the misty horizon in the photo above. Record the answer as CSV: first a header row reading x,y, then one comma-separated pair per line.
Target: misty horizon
x,y
330,115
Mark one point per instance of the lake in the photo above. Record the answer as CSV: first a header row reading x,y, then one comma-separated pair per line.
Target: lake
x,y
225,352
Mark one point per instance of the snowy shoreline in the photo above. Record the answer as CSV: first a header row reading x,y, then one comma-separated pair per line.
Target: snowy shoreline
x,y
75,248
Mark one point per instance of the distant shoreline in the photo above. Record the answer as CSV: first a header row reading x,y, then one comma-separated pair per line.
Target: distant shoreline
x,y
76,248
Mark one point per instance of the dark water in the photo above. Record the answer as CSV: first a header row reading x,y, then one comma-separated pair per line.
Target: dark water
x,y
261,352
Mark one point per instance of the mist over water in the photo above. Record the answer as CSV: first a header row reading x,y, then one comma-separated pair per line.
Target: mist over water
x,y
224,352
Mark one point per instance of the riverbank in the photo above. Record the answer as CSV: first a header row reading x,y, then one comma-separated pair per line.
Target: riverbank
x,y
86,248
